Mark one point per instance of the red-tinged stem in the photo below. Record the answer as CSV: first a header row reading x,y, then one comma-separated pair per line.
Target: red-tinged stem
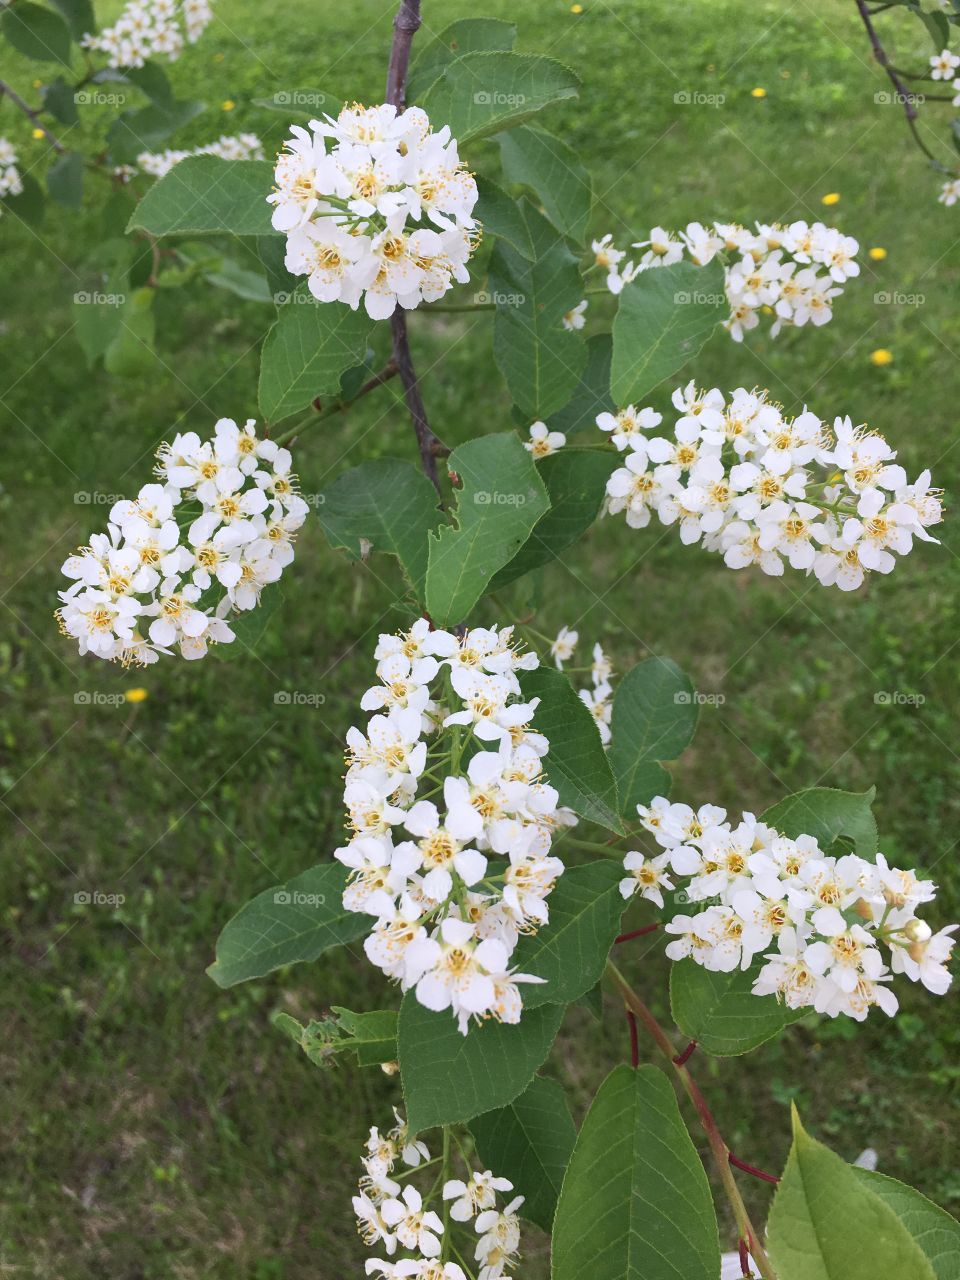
x,y
749,1168
637,933
634,1038
718,1148
744,1250
685,1054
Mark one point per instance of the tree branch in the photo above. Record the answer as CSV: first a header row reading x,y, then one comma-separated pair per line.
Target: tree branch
x,y
388,371
405,26
903,93
32,115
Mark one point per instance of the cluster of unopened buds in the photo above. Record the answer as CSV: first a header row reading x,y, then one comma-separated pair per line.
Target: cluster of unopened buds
x,y
187,552
793,272
384,214
11,184
147,28
396,1217
451,820
761,489
598,697
239,146
828,918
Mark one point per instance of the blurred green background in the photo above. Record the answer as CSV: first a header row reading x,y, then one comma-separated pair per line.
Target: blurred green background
x,y
158,1128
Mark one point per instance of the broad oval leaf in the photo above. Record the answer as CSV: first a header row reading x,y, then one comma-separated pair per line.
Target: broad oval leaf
x,y
571,950
482,93
78,15
536,159
654,718
826,1225
635,1203
501,499
65,180
719,1011
591,395
204,195
828,814
145,128
287,924
449,1078
305,353
36,32
501,216
466,35
935,1231
529,1141
576,763
663,319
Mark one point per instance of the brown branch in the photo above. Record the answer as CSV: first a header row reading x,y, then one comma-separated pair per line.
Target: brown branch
x,y
405,26
32,115
895,78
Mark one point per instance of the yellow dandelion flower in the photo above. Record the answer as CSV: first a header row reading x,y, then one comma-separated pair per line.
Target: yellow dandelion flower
x,y
880,357
877,253
758,92
832,197
139,694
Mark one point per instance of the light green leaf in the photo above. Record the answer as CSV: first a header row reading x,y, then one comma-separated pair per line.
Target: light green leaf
x,y
307,350
36,32
935,1231
250,627
826,1225
467,35
654,718
482,93
449,1078
576,483
591,396
571,950
287,924
663,319
635,1203
206,195
147,127
529,1141
538,160
65,180
384,505
828,814
719,1011
501,216
501,499
131,352
372,1036
576,763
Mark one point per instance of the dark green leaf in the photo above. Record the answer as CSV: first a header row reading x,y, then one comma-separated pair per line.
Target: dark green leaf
x,y
60,101
30,204
152,80
719,1011
538,160
501,216
592,394
204,194
37,32
79,16
146,128
65,180
467,35
828,814
482,93
654,718
131,351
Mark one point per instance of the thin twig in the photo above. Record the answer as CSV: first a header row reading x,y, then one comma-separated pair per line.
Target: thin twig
x,y
895,77
388,371
33,115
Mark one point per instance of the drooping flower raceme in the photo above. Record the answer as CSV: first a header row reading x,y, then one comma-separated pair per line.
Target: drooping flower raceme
x,y
406,1224
762,489
375,205
833,931
792,272
11,184
451,820
187,552
150,28
239,146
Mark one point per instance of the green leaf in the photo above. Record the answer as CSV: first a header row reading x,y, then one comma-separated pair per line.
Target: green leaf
x,y
654,718
529,1141
540,359
29,204
635,1203
36,32
146,128
719,1011
373,1036
482,93
571,950
206,195
501,499
250,627
467,35
59,100
501,216
65,180
131,351
828,814
935,1231
591,396
79,16
576,763
301,104
826,1225
152,80
384,505
538,160
225,273
307,350
287,924
449,1078
576,484
272,252
663,319
939,29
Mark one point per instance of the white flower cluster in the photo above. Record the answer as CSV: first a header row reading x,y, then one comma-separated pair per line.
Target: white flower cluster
x,y
11,184
239,146
950,192
450,891
598,699
761,489
187,552
793,272
400,1217
385,214
147,28
828,918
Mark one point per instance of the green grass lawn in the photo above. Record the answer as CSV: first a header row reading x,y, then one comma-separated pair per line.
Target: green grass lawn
x,y
159,1128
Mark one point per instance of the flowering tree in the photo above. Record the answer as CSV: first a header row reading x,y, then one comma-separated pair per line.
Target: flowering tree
x,y
499,820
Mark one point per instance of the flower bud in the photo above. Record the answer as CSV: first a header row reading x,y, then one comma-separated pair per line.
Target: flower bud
x,y
389,1068
918,931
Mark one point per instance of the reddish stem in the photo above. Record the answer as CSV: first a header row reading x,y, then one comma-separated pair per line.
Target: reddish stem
x,y
744,1252
749,1168
637,933
634,1038
686,1054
